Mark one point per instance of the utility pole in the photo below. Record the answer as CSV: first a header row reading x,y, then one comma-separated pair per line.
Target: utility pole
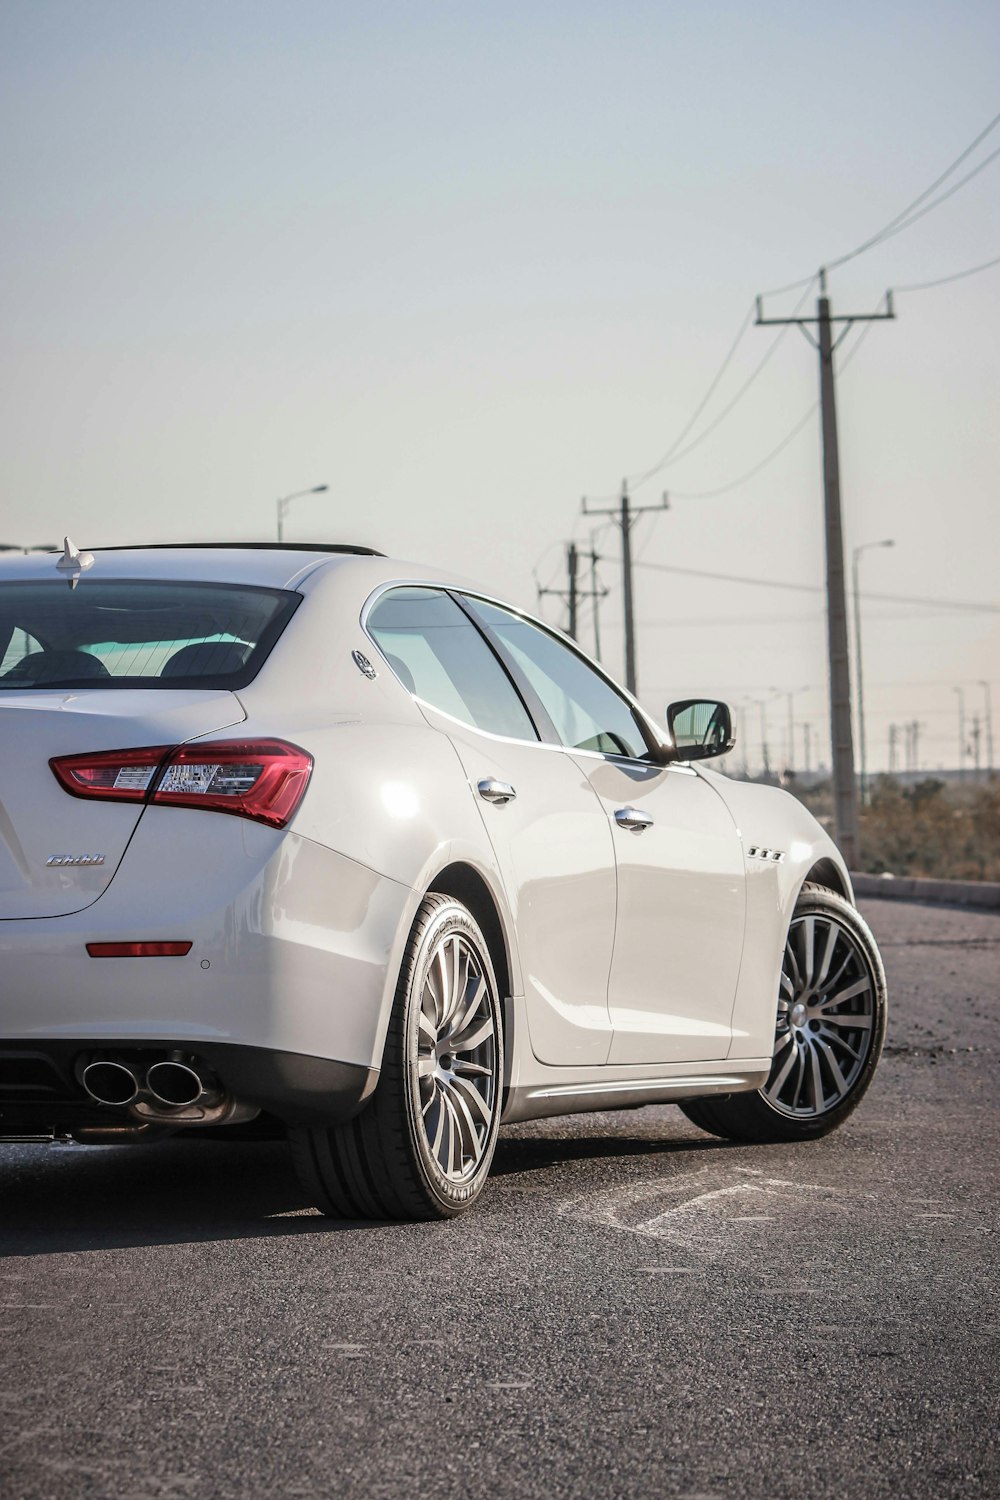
x,y
961,733
572,593
988,706
597,593
571,561
893,731
807,746
625,515
975,736
845,791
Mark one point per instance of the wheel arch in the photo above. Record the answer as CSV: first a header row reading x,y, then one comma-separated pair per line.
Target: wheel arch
x,y
467,885
827,872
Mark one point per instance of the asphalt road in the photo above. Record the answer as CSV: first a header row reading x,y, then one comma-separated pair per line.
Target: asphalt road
x,y
633,1310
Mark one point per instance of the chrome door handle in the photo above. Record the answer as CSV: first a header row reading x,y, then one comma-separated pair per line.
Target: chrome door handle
x,y
492,790
633,818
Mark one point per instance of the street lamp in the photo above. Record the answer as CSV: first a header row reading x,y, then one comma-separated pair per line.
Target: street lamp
x,y
865,547
285,502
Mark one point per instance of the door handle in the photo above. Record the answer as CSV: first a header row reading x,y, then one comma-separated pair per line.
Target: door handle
x,y
633,818
499,792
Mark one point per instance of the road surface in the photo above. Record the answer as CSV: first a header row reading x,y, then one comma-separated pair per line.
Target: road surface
x,y
634,1310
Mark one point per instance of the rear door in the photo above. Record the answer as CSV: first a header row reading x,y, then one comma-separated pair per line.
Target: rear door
x,y
547,829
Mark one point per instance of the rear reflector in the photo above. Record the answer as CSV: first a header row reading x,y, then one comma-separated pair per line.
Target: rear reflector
x,y
264,780
138,950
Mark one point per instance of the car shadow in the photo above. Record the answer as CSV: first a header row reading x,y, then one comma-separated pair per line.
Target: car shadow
x,y
67,1199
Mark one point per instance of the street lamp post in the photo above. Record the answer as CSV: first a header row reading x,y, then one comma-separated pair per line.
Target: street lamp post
x,y
865,547
286,500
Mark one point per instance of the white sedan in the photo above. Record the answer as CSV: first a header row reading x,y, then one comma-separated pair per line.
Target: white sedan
x,y
451,875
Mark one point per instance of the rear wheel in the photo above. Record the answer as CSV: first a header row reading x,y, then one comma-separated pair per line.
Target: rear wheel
x,y
829,1030
422,1147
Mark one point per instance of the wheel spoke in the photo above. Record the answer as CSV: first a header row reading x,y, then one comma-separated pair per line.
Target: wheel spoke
x,y
840,1082
462,1065
426,1025
475,1038
788,987
800,1077
467,1092
834,1039
809,948
853,1023
782,1041
426,1063
775,1088
857,988
468,1134
817,1080
473,996
833,933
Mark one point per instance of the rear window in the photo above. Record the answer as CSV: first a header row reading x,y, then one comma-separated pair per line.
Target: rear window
x,y
137,633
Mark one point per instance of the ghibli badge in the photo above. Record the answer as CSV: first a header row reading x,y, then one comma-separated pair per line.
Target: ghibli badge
x,y
73,861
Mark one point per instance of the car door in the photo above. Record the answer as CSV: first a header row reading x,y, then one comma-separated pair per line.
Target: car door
x,y
545,824
680,872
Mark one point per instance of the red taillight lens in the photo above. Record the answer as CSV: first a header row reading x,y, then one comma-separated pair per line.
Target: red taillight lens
x,y
138,950
112,775
260,779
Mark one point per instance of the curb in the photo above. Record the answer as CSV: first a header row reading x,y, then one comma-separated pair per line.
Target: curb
x,y
984,895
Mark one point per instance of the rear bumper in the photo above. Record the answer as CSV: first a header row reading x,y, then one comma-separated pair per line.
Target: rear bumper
x,y
40,1088
293,953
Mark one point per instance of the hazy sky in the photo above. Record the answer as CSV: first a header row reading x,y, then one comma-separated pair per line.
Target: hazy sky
x,y
466,263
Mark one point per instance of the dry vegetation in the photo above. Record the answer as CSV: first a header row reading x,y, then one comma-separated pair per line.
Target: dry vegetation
x,y
941,830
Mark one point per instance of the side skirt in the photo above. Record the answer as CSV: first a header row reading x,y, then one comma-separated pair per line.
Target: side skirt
x,y
539,1100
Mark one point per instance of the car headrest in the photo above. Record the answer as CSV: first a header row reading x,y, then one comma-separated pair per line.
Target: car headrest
x,y
205,659
55,666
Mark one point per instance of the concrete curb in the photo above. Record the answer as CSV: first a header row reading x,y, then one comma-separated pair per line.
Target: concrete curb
x,y
982,894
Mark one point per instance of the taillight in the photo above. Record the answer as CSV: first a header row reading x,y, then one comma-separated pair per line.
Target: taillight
x,y
260,779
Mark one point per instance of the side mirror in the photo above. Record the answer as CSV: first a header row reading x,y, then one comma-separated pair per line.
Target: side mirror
x,y
700,729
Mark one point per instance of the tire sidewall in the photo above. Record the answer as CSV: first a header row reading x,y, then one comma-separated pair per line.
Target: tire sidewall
x,y
449,1196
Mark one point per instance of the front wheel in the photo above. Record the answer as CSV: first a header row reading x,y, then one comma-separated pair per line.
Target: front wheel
x,y
422,1147
831,1019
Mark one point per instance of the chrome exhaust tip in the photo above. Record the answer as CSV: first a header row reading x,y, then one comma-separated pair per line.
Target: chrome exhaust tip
x,y
110,1082
177,1085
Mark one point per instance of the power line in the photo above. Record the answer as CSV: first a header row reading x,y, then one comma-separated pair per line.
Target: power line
x,y
733,484
968,605
903,219
713,386
676,453
923,286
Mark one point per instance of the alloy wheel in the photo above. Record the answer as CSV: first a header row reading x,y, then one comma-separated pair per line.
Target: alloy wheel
x,y
826,1018
457,1061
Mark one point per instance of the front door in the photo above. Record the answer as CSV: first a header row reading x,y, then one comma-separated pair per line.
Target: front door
x,y
681,911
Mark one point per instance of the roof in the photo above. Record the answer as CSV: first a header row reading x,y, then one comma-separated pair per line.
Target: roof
x,y
270,564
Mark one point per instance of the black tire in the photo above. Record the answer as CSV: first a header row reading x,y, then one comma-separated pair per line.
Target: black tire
x,y
422,1146
785,1109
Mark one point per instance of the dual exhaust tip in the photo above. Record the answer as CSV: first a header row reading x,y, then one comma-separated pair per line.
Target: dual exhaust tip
x,y
172,1084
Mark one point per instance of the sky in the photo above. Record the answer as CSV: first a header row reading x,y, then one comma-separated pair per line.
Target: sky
x,y
467,263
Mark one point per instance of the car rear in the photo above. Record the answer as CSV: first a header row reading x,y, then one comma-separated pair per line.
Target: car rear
x,y
158,971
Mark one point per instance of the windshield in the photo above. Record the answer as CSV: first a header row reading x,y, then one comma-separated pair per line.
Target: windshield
x,y
148,633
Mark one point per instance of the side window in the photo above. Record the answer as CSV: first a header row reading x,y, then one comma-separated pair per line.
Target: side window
x,y
587,712
436,651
